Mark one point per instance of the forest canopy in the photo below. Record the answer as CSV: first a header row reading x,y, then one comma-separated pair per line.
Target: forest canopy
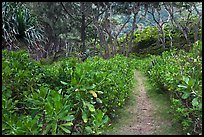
x,y
52,29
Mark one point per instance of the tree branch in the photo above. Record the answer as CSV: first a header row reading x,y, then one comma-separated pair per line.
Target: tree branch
x,y
152,13
67,11
96,17
122,27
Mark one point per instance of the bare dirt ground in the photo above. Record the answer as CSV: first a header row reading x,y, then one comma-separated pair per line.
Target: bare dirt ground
x,y
144,110
140,113
141,116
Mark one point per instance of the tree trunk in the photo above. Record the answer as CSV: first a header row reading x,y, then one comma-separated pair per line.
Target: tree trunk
x,y
124,45
83,33
66,47
103,42
131,36
163,37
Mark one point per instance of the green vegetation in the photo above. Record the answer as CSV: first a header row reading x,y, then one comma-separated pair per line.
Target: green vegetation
x,y
20,27
179,74
85,58
163,114
73,97
67,97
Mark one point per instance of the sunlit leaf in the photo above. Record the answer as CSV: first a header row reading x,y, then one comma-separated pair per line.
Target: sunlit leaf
x,y
93,93
99,92
186,79
64,83
182,86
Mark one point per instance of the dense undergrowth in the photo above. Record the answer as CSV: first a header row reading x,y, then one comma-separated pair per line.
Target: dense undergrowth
x,y
179,74
66,97
73,97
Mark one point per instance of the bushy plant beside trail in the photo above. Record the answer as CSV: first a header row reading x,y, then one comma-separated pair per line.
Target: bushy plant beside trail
x,y
66,97
179,74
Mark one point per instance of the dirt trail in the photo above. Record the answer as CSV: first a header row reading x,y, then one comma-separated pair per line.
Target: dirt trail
x,y
140,112
144,114
144,111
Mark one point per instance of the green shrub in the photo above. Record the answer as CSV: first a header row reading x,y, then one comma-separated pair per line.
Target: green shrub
x,y
181,73
66,97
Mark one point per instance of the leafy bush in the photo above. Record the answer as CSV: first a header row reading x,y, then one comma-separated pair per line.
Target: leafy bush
x,y
66,97
180,73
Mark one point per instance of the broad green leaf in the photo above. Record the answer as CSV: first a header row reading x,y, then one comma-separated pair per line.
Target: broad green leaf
x,y
57,102
99,115
182,86
68,118
200,105
73,81
186,79
105,120
54,129
195,102
84,117
91,107
64,83
65,129
191,82
98,100
67,124
185,95
88,129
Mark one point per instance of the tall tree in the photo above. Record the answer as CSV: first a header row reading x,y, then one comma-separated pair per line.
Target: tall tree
x,y
155,11
180,14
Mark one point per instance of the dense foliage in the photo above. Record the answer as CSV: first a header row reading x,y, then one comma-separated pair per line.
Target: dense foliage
x,y
19,26
71,97
67,97
179,74
145,41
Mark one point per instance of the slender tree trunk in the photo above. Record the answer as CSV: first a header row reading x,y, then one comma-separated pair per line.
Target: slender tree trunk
x,y
71,49
107,51
196,35
83,33
111,43
67,50
94,44
171,43
103,42
163,37
131,36
124,45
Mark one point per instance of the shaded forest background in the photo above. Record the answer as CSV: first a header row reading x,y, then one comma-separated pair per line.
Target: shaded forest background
x,y
50,30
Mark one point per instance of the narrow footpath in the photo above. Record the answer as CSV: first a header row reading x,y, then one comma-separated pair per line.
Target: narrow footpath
x,y
139,116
